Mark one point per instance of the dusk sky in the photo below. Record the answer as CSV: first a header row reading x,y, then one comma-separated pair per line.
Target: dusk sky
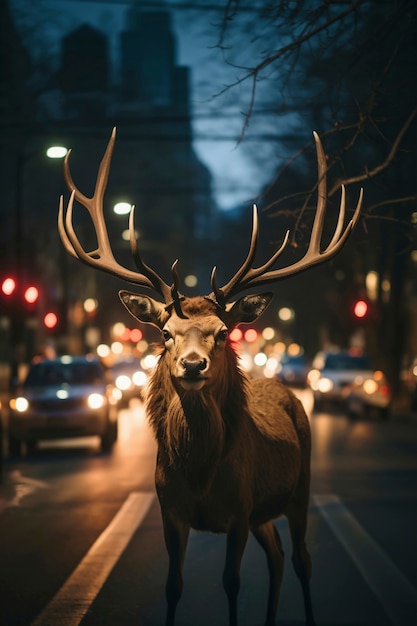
x,y
239,172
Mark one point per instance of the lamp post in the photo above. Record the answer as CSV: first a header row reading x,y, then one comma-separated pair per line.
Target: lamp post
x,y
17,319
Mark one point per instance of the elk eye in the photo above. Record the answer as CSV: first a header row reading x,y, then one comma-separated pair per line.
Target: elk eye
x,y
222,335
166,335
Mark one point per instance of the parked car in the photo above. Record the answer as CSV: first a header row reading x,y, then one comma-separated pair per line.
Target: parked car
x,y
348,379
61,398
129,380
292,370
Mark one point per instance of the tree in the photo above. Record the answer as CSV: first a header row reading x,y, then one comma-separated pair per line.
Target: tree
x,y
345,69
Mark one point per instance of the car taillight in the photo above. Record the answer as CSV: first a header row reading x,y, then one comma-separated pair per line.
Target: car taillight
x,y
385,390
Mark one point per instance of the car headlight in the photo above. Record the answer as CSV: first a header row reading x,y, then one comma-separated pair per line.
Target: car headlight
x,y
312,377
95,401
123,382
370,386
19,404
324,385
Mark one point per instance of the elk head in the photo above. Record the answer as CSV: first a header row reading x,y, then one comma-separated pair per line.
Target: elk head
x,y
195,330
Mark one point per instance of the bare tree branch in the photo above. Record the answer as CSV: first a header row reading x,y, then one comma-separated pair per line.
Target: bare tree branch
x,y
253,73
382,166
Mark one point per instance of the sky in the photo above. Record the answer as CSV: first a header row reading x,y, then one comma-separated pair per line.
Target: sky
x,y
238,173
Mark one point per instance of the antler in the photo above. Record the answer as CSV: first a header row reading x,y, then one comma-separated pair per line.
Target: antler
x,y
102,257
248,276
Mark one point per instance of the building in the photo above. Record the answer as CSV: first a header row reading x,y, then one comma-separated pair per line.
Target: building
x,y
154,167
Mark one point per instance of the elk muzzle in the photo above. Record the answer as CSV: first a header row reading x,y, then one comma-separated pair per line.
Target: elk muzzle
x,y
192,369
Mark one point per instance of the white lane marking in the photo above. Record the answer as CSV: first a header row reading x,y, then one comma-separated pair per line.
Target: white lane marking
x,y
393,590
71,602
21,486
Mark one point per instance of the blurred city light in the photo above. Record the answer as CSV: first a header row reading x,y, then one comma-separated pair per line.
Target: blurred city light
x,y
103,350
149,361
126,235
50,320
268,333
279,347
260,359
251,335
90,305
371,282
122,208
135,335
190,280
118,329
117,347
294,349
56,152
139,378
245,362
8,286
236,335
286,314
360,309
31,295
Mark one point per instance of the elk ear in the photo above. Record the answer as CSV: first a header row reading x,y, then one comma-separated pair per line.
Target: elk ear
x,y
249,308
144,308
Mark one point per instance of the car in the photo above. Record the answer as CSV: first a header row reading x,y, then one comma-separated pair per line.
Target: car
x,y
63,397
348,379
292,369
129,380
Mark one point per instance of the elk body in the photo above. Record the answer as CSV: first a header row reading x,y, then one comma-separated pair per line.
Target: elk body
x,y
233,453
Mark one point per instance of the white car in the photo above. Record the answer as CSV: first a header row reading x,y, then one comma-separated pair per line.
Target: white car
x,y
347,378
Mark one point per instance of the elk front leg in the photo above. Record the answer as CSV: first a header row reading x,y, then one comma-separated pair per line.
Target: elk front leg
x,y
237,537
269,539
176,538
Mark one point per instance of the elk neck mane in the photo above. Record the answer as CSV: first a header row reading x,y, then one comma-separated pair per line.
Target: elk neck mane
x,y
197,429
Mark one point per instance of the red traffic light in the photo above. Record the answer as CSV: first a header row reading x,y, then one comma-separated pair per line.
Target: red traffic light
x,y
8,286
50,320
360,309
251,335
31,294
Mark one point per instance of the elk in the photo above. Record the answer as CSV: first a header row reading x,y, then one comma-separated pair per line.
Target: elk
x,y
233,452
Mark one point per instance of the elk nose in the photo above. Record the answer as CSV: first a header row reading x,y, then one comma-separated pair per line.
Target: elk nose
x,y
193,368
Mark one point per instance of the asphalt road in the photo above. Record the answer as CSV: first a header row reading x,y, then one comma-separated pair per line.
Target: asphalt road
x,y
81,538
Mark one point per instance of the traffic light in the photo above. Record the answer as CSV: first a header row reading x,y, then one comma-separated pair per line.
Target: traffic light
x,y
27,295
8,286
31,295
360,309
50,320
251,335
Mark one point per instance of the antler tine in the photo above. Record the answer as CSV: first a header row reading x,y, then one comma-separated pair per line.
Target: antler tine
x,y
158,284
102,257
248,276
221,294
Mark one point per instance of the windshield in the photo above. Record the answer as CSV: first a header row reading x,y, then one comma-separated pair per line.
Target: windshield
x,y
286,359
59,373
346,362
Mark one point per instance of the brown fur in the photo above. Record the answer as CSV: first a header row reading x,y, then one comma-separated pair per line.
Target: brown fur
x,y
232,457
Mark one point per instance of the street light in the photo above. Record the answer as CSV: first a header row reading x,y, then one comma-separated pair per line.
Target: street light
x,y
17,321
122,208
56,152
52,152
